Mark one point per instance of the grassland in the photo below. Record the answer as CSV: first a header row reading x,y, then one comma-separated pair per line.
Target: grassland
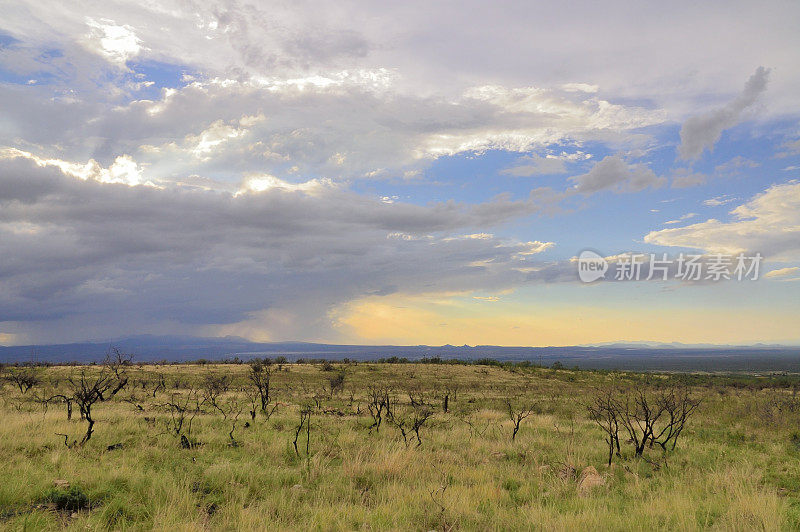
x,y
736,465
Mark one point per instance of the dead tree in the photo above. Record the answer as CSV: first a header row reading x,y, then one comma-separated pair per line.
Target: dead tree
x,y
259,378
134,401
474,428
67,400
305,421
377,404
93,385
182,408
677,406
24,377
517,414
410,419
119,363
648,416
213,387
232,410
253,399
639,415
604,411
160,384
421,415
449,391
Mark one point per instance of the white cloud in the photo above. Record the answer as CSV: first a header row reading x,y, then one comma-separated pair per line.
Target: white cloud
x,y
678,58
123,170
117,43
534,165
228,127
580,87
492,299
719,200
683,218
769,223
782,272
266,182
536,247
212,137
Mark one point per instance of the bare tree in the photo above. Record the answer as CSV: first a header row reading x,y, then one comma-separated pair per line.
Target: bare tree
x,y
24,377
475,430
214,385
92,385
67,400
259,378
449,391
160,384
517,414
377,404
677,406
305,421
604,411
233,409
253,398
649,417
410,419
182,408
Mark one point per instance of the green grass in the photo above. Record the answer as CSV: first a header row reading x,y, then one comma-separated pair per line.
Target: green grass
x,y
736,467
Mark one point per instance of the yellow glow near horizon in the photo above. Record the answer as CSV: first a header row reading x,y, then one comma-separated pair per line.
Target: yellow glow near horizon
x,y
430,320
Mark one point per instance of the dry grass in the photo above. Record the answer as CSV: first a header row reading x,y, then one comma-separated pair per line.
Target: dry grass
x,y
735,468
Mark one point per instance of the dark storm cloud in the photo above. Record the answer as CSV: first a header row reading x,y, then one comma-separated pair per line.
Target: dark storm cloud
x,y
71,247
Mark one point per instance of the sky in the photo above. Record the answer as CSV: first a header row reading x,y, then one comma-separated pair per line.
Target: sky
x,y
416,173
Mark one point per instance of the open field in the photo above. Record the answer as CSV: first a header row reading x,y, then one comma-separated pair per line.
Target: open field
x,y
736,465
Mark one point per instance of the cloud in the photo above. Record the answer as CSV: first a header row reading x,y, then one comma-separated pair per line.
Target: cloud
x,y
186,166
768,224
683,218
534,165
552,163
536,247
782,272
123,170
701,132
116,43
449,48
790,147
719,200
80,257
613,173
685,178
343,125
735,165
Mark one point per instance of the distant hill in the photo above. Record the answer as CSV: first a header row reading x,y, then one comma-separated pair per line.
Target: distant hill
x,y
630,356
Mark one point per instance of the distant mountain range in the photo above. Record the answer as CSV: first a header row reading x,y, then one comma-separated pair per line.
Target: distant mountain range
x,y
631,356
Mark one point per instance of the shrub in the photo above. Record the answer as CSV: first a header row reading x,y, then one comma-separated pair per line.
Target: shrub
x,y
71,499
